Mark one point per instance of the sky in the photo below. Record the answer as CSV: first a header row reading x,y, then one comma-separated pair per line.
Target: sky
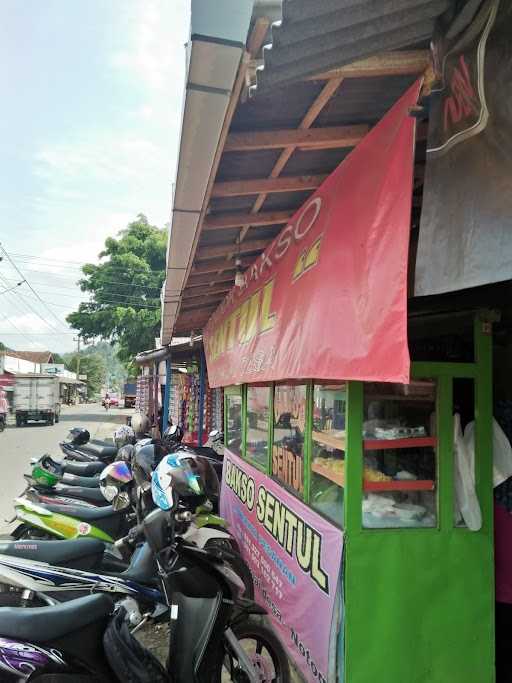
x,y
92,95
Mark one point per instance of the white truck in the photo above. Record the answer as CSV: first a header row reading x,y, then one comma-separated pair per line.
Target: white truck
x,y
36,398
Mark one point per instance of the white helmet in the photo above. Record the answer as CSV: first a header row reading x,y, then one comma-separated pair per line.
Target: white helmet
x,y
140,424
123,435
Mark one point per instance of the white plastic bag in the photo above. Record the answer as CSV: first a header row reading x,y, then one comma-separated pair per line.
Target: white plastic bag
x,y
464,471
501,451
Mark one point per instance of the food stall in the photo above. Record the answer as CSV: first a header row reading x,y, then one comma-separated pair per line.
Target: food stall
x,y
342,475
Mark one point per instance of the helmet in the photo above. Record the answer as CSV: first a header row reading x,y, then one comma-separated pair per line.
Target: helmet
x,y
145,461
140,423
172,436
215,436
113,484
177,476
126,453
123,435
78,436
43,476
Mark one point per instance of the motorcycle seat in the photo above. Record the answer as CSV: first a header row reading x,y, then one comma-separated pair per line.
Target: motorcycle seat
x,y
100,450
82,493
86,482
80,553
86,514
82,469
43,624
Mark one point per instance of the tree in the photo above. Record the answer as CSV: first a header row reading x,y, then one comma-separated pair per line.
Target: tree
x,y
125,290
91,365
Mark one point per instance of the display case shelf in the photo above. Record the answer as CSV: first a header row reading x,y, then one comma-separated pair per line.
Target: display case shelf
x,y
331,439
393,485
412,442
336,477
397,485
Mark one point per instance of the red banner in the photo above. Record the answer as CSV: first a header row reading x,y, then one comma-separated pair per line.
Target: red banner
x,y
328,297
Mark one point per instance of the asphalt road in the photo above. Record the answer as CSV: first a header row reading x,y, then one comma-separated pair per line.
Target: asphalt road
x,y
19,444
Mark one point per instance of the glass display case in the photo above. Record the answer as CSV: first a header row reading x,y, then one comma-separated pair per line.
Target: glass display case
x,y
399,450
288,436
328,450
258,418
234,422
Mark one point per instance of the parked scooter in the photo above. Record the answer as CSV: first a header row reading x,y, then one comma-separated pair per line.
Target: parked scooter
x,y
78,446
60,468
213,628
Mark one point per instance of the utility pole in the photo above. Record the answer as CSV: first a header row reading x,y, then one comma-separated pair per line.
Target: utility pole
x,y
77,339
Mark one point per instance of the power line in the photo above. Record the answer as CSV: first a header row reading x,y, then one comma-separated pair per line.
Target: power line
x,y
29,306
30,287
71,279
17,334
121,297
77,265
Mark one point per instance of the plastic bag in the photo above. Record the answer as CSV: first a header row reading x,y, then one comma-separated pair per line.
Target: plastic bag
x,y
501,451
464,471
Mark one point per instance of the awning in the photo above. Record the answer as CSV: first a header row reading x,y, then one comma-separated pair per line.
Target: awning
x,y
328,298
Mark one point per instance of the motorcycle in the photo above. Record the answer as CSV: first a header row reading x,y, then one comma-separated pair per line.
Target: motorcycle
x,y
54,520
58,469
92,452
31,572
214,630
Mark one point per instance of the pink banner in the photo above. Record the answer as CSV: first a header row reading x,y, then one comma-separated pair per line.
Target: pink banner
x,y
295,558
328,298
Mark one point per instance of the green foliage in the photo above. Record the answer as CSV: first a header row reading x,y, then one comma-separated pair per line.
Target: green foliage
x,y
92,365
3,347
125,290
57,358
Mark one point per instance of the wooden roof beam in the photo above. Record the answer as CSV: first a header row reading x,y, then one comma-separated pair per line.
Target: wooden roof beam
x,y
234,188
312,138
222,221
193,320
191,294
207,280
216,264
196,304
220,250
397,63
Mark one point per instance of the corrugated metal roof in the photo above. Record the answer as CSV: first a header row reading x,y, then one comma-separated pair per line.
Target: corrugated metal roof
x,y
317,36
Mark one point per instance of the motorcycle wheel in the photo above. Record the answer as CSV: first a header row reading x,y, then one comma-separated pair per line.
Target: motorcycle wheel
x,y
264,650
236,562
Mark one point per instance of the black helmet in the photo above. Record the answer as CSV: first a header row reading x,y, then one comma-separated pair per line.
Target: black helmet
x,y
145,461
78,436
172,436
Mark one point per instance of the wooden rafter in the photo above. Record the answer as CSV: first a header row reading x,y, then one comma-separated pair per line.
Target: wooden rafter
x,y
193,319
235,220
312,138
206,279
215,265
192,294
314,110
386,64
234,188
219,250
199,304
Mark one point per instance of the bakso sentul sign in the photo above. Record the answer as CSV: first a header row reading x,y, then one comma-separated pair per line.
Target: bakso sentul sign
x,y
295,557
328,297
